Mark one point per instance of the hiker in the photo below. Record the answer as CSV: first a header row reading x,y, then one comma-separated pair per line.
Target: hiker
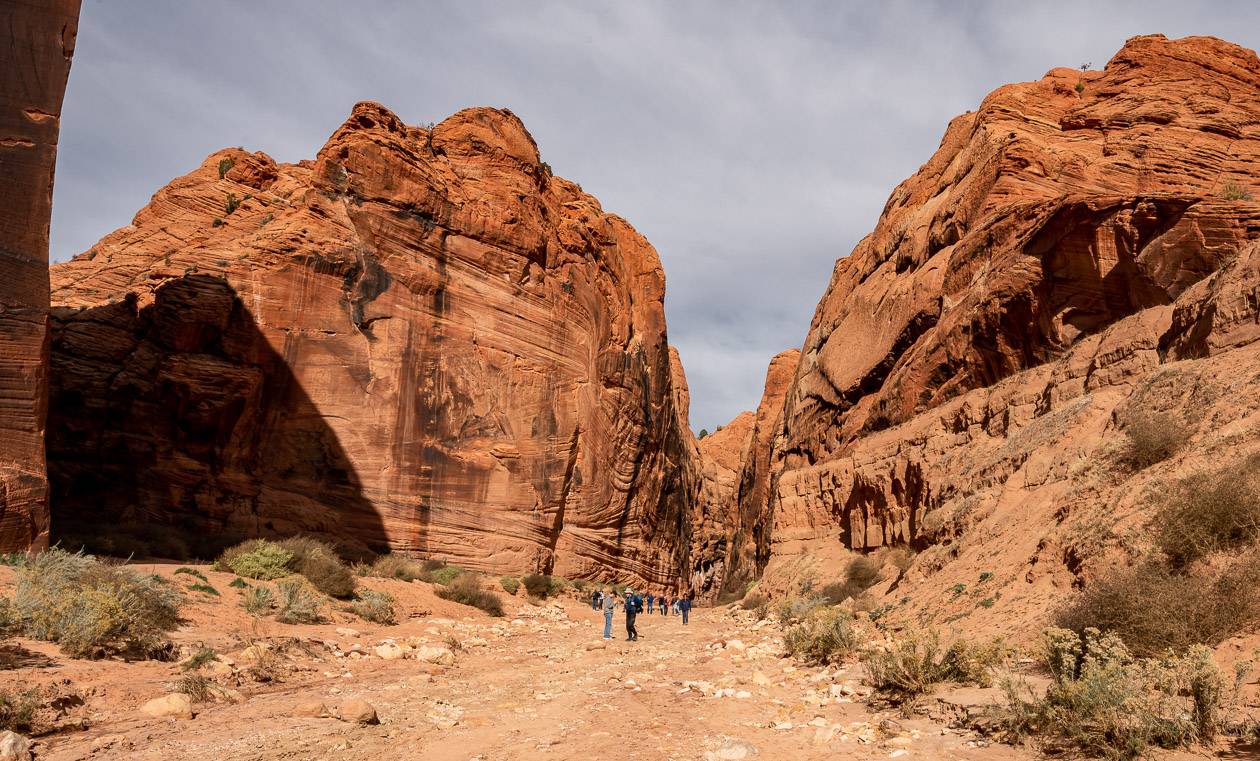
x,y
632,609
664,605
684,607
595,595
610,605
649,603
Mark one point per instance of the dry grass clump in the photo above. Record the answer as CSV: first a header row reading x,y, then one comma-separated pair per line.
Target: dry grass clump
x,y
1151,437
377,607
297,604
91,609
1152,607
1105,702
862,574
792,609
826,635
196,686
465,589
17,709
321,566
392,567
754,601
1209,513
912,665
257,601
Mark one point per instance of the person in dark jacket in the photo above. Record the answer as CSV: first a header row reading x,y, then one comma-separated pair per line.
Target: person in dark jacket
x,y
664,605
649,604
632,609
595,599
684,607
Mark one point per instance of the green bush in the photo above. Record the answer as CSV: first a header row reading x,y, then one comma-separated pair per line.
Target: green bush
x,y
438,572
297,604
1152,607
465,589
321,566
257,601
1232,191
510,584
225,164
1105,702
377,607
256,559
192,572
1209,513
912,665
238,583
825,636
537,585
17,710
92,609
205,589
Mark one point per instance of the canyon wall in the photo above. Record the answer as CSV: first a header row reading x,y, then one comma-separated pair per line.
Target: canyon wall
x,y
36,47
421,341
1077,254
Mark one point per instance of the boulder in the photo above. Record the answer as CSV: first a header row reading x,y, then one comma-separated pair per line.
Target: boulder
x,y
357,711
176,705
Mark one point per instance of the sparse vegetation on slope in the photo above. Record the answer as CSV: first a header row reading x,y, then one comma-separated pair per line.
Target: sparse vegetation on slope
x,y
320,564
825,636
466,589
377,607
911,665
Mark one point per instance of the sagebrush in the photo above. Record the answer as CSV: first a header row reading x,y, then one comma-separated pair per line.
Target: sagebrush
x,y
825,636
466,589
374,606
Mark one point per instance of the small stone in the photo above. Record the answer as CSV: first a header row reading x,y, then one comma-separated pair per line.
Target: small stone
x,y
344,631
899,753
14,747
433,654
314,709
734,750
358,711
176,705
389,651
743,694
598,644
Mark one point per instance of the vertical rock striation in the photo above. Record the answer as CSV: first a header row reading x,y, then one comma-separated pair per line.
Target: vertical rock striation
x,y
421,341
36,45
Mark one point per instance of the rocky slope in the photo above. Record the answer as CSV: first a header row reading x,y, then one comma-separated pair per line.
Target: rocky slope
x,y
1077,254
36,49
421,340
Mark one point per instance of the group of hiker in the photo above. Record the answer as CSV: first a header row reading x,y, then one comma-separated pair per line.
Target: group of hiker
x,y
634,604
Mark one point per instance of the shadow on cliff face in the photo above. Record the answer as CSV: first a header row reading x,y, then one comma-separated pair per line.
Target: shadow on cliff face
x,y
179,420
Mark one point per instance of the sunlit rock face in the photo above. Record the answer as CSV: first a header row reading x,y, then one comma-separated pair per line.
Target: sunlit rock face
x,y
422,341
36,49
1055,247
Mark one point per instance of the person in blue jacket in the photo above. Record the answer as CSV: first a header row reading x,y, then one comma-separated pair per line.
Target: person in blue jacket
x,y
649,604
633,605
684,607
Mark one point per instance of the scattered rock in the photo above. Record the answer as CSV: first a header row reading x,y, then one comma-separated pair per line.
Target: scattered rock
x,y
310,708
357,711
598,644
731,751
176,705
14,747
433,654
389,651
343,631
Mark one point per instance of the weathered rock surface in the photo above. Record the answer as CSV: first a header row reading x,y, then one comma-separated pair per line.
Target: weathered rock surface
x,y
421,340
36,48
730,526
1079,251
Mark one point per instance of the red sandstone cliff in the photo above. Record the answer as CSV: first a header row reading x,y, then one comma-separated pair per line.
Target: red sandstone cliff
x,y
1078,251
36,47
421,340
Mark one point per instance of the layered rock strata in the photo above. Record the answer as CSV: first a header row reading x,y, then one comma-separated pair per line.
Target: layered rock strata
x,y
420,341
36,48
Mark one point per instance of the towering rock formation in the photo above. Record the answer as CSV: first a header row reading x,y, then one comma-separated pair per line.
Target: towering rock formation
x,y
421,340
36,47
1068,259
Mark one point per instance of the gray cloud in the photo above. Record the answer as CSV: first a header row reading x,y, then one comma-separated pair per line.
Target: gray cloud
x,y
752,143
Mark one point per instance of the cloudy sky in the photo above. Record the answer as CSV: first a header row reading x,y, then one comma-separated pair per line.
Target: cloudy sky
x,y
752,143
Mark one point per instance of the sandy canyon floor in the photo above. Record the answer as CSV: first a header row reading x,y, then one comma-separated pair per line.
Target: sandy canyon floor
x,y
538,683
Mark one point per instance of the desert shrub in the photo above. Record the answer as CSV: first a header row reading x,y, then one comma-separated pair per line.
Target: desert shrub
x,y
225,164
438,572
256,559
453,642
238,583
838,591
205,589
1232,191
465,589
1105,702
198,659
899,558
557,585
257,601
510,584
392,567
791,609
17,709
863,572
1151,607
754,601
195,686
825,636
90,609
1150,438
1208,513
320,564
297,604
537,585
377,607
912,665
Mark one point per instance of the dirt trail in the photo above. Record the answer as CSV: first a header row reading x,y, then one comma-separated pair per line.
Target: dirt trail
x,y
536,684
